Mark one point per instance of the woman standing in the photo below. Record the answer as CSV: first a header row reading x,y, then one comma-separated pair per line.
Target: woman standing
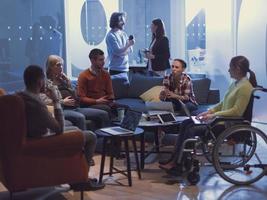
x,y
159,52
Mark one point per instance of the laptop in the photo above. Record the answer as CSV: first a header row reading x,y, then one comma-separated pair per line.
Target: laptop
x,y
161,107
129,123
188,114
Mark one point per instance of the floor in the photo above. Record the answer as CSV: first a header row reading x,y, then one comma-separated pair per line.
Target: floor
x,y
154,185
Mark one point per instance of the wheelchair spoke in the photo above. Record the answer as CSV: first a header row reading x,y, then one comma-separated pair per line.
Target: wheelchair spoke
x,y
239,153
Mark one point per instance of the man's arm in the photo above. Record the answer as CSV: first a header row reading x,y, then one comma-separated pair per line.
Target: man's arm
x,y
113,44
55,124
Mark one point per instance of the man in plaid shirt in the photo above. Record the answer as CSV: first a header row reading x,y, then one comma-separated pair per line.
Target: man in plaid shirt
x,y
179,86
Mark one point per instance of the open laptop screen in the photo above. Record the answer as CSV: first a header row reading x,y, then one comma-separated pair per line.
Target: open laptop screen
x,y
131,119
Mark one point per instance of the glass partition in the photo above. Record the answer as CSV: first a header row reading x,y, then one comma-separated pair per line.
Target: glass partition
x,y
140,14
30,31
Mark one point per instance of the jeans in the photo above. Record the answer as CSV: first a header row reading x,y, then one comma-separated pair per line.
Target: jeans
x,y
89,142
189,130
78,117
104,107
99,116
177,106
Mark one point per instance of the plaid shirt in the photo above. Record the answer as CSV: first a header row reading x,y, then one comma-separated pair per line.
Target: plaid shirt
x,y
183,88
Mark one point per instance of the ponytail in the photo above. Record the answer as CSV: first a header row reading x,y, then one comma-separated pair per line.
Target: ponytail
x,y
252,78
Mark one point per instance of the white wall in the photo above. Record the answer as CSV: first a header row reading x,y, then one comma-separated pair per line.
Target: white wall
x,y
251,42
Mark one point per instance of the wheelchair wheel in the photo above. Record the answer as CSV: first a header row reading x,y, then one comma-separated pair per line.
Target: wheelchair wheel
x,y
239,154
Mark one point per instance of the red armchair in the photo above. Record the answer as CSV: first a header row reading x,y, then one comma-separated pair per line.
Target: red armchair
x,y
28,163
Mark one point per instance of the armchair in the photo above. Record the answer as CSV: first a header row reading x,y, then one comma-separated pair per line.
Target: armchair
x,y
28,163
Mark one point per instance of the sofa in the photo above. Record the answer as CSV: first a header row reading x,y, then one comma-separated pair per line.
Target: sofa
x,y
127,91
134,91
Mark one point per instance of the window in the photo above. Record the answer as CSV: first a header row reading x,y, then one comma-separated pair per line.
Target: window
x,y
140,14
30,31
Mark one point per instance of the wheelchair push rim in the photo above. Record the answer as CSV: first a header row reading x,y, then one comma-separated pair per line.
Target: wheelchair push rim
x,y
242,164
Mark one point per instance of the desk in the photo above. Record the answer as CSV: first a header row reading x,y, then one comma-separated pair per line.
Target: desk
x,y
125,138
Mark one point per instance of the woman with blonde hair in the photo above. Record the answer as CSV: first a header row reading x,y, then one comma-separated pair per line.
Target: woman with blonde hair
x,y
69,99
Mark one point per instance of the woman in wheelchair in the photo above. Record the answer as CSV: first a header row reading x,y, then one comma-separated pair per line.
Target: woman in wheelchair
x,y
233,104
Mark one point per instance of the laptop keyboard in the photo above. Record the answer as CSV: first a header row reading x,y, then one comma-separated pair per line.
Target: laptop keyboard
x,y
118,129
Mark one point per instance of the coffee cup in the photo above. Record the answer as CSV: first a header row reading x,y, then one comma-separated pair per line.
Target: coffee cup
x,y
120,114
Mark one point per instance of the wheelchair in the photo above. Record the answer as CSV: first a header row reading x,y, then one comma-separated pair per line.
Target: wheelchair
x,y
238,153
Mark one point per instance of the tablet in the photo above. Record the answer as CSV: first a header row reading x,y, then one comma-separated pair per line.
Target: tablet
x,y
166,118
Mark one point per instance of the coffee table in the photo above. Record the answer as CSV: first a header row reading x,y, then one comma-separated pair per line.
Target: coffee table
x,y
156,127
125,137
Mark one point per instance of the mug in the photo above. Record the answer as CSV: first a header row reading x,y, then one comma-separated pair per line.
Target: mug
x,y
120,114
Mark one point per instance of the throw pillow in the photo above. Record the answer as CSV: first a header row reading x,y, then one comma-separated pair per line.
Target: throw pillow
x,y
152,94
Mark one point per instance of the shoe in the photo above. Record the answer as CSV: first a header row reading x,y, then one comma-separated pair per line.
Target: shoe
x,y
93,180
92,162
87,186
167,166
175,171
164,162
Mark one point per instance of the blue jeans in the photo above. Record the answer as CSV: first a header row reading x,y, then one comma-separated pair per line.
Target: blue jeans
x,y
177,106
89,142
189,130
78,117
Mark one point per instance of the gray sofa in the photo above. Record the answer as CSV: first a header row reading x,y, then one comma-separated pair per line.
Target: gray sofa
x,y
128,91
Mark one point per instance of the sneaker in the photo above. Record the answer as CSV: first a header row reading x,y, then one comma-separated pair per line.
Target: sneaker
x,y
175,171
92,162
87,186
166,161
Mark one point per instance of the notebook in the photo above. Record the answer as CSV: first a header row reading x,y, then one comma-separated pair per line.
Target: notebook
x,y
129,123
161,107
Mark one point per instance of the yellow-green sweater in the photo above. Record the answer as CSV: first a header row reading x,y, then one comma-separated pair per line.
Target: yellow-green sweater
x,y
235,100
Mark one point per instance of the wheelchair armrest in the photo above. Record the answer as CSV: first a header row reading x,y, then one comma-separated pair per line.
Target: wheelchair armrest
x,y
219,119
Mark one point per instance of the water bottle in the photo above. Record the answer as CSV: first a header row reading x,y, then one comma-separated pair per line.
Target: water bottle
x,y
166,81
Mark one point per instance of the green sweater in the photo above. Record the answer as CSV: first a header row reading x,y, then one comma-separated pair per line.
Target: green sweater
x,y
235,100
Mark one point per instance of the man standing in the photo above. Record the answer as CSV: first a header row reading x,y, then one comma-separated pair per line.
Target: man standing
x,y
39,120
118,44
94,84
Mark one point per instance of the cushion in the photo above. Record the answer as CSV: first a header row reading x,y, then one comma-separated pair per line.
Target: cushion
x,y
201,89
152,94
74,84
120,84
140,84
